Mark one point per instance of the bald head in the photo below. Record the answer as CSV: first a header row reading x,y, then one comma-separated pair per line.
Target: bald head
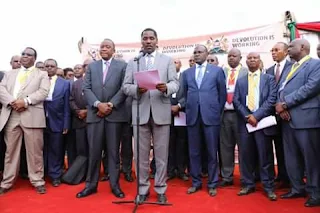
x,y
298,49
253,61
15,62
234,57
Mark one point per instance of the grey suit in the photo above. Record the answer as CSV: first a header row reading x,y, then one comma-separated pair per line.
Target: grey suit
x,y
104,130
228,135
155,119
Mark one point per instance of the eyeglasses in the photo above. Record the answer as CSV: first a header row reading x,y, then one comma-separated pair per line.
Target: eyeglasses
x,y
198,52
50,66
27,54
191,60
210,60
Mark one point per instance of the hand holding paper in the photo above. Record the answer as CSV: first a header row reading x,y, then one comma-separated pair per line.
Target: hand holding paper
x,y
264,123
180,120
147,79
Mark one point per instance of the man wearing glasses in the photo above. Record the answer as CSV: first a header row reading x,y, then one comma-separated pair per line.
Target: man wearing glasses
x,y
22,92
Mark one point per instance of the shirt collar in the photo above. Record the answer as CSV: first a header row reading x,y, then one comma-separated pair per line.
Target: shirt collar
x,y
153,54
24,69
256,73
104,61
202,65
282,63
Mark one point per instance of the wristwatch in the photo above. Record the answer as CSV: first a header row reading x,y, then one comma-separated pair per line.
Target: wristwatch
x,y
284,105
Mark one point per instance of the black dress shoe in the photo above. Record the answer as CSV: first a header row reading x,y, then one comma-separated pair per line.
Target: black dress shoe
x,y
291,195
246,191
312,202
41,189
56,182
3,190
212,192
183,177
86,192
225,183
128,177
117,192
272,196
142,198
162,198
193,189
105,177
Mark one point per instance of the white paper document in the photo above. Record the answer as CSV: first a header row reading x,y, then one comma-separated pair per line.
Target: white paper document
x,y
180,120
147,79
263,123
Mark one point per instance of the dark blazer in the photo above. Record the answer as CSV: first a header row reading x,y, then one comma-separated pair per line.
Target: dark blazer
x,y
1,77
77,102
267,99
302,95
210,98
283,75
58,110
94,90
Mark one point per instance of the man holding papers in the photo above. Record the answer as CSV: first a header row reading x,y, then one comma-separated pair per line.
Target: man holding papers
x,y
254,99
299,107
155,113
204,88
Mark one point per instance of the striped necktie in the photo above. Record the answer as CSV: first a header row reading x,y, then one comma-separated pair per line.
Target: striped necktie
x,y
149,62
251,92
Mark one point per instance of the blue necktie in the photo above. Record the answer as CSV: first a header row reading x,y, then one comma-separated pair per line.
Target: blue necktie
x,y
200,76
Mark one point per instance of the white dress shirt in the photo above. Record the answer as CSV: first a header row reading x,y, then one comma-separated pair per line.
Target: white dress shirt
x,y
203,68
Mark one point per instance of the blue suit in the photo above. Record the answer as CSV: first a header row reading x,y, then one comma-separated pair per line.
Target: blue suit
x,y
301,134
57,119
204,107
262,139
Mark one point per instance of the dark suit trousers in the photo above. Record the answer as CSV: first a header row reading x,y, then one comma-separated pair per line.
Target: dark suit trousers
x,y
228,141
302,151
2,151
278,144
81,142
100,133
71,147
126,148
105,159
211,139
53,153
249,144
177,149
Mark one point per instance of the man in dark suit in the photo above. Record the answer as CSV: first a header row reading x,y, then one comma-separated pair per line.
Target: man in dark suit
x,y
178,136
254,99
2,143
279,54
105,117
57,110
204,88
299,107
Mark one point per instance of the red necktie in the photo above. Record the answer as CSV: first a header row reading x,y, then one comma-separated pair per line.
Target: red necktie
x,y
231,82
277,73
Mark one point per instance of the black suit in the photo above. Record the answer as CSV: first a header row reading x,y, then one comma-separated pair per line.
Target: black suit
x,y
104,130
278,142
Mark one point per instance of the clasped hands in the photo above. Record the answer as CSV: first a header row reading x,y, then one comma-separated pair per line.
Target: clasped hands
x,y
104,109
162,87
284,114
252,120
18,105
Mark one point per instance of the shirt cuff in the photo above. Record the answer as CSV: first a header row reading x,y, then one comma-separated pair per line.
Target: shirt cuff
x,y
29,101
95,104
179,105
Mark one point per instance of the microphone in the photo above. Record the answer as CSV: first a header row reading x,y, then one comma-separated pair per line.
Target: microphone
x,y
141,54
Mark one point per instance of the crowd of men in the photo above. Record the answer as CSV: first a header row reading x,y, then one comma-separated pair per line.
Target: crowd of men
x,y
90,112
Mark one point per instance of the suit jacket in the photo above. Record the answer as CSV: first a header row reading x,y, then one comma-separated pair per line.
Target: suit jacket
x,y
58,110
95,90
1,77
36,88
283,75
267,99
77,102
302,95
158,102
210,98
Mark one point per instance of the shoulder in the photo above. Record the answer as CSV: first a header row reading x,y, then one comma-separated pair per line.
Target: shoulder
x,y
120,63
185,72
165,57
41,73
94,64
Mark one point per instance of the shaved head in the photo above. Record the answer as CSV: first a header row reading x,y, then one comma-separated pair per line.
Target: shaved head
x,y
298,49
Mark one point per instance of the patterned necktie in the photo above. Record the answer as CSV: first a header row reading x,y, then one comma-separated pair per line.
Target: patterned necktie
x,y
252,93
231,82
105,71
149,62
200,76
277,76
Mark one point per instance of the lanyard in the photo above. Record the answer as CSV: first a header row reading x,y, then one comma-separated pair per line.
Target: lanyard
x,y
295,68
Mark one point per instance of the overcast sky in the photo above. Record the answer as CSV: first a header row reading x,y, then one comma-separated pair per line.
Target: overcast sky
x,y
53,27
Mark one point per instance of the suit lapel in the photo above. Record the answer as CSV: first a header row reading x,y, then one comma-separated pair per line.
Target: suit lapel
x,y
298,70
142,62
156,61
32,75
245,85
57,88
100,71
284,71
113,64
261,87
205,77
242,72
193,75
12,80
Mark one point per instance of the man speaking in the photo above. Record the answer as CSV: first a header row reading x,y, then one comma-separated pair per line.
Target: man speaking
x,y
155,111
